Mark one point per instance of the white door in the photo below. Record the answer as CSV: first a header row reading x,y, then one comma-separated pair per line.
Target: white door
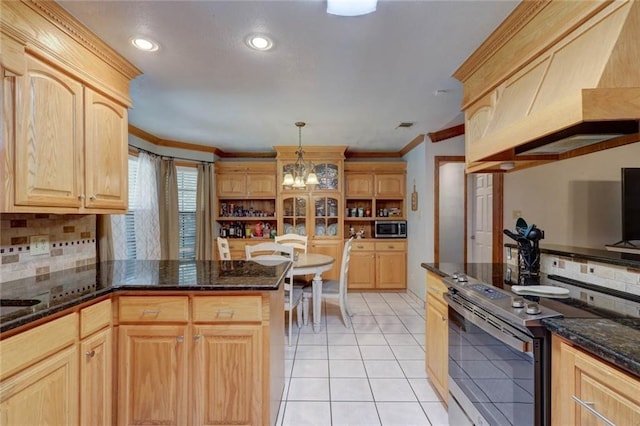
x,y
480,235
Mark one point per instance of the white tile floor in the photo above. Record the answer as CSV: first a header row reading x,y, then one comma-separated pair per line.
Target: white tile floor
x,y
370,374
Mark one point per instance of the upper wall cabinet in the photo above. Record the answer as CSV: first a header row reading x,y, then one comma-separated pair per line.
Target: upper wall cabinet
x,y
65,98
556,79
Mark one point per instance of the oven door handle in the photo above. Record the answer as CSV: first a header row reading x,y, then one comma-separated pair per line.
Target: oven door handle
x,y
513,338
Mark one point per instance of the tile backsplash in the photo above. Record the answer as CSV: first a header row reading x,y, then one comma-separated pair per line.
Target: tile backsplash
x,y
622,278
72,243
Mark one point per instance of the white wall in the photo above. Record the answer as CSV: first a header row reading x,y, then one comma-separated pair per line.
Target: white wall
x,y
575,201
420,168
451,223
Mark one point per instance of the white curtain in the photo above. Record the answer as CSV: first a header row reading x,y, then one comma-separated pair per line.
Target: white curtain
x,y
146,215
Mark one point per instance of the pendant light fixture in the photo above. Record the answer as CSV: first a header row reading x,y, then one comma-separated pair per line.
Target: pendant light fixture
x,y
301,173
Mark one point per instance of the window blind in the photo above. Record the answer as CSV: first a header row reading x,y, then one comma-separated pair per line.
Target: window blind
x,y
129,221
187,186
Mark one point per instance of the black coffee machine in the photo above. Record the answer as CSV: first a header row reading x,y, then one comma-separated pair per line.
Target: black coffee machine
x,y
528,238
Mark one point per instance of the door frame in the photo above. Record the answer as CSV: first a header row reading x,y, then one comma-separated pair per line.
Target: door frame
x,y
497,214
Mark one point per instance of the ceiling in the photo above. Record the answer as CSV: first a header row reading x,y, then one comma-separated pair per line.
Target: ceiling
x,y
353,80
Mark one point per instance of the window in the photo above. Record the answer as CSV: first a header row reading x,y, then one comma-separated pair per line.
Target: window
x,y
187,178
187,185
129,221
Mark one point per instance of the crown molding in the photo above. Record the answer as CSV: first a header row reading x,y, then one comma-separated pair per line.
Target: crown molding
x,y
448,133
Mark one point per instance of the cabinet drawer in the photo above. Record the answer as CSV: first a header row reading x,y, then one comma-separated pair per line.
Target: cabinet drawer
x,y
237,245
25,348
227,308
435,286
95,317
153,309
391,246
362,246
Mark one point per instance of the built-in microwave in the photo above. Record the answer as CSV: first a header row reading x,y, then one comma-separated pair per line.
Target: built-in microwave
x,y
390,229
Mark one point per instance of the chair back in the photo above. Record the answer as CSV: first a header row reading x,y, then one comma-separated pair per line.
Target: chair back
x,y
223,249
298,242
269,251
344,266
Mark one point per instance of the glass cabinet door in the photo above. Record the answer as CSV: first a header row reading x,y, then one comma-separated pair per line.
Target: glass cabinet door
x,y
294,215
326,216
328,177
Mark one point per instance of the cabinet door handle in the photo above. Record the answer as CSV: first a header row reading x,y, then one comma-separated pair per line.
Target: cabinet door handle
x,y
151,312
81,197
180,339
93,198
91,353
589,408
360,247
197,337
228,312
443,318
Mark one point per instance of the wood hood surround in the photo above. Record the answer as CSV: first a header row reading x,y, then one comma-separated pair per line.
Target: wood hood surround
x,y
549,66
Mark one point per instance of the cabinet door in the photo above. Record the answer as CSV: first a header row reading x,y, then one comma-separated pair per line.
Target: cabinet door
x,y
327,221
606,390
106,153
231,185
359,185
261,185
362,270
391,270
437,338
227,371
43,394
96,379
328,177
391,185
294,215
152,382
48,150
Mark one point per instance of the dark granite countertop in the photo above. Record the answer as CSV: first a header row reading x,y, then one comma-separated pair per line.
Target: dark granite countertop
x,y
604,256
616,340
57,291
608,335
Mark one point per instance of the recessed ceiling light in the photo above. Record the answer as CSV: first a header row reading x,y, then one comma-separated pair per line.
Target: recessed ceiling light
x,y
259,42
351,7
144,44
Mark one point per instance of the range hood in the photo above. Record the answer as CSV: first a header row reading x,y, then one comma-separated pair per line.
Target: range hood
x,y
554,78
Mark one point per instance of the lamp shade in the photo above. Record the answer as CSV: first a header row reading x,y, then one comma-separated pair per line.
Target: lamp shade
x,y
351,7
312,179
288,179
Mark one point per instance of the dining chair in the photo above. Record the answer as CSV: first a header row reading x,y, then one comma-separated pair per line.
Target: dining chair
x,y
223,249
298,242
337,289
292,296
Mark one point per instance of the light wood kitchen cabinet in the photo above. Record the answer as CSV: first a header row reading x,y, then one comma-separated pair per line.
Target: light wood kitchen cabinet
x,y
362,265
358,185
586,390
96,381
96,364
65,131
390,185
48,151
237,179
377,265
391,265
437,335
329,248
215,364
39,375
106,153
227,364
153,374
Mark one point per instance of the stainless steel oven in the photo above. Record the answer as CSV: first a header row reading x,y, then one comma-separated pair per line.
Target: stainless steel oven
x,y
499,365
495,368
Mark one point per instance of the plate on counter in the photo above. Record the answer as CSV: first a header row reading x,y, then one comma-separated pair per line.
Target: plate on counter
x,y
540,290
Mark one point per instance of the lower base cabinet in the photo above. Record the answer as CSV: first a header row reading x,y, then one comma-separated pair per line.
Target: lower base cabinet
x,y
152,386
378,265
46,393
96,378
437,335
226,364
586,390
219,367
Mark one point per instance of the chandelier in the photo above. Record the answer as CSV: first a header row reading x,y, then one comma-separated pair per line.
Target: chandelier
x,y
301,173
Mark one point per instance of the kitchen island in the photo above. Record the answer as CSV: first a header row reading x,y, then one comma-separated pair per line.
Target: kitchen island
x,y
130,342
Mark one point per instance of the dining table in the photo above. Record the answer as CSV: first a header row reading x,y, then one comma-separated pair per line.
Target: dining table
x,y
316,264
